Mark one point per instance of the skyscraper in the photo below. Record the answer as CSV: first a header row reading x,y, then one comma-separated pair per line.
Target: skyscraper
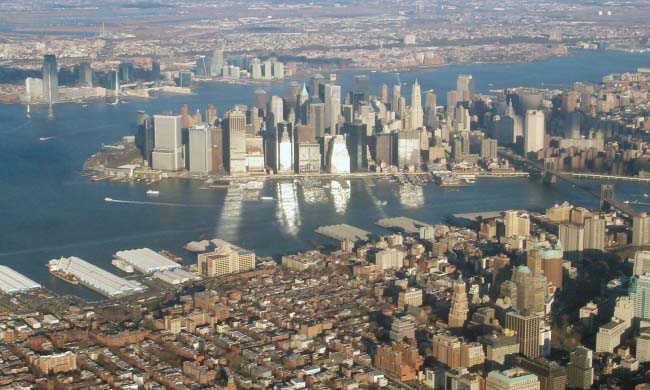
x,y
640,226
50,79
332,107
85,74
459,306
516,225
534,131
641,263
527,328
316,116
397,93
168,152
572,237
417,115
464,88
580,371
594,233
200,140
217,63
275,112
384,93
145,136
236,137
360,90
640,296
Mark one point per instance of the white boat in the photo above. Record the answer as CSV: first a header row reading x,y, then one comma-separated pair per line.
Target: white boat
x,y
45,138
84,105
153,192
266,198
108,199
645,195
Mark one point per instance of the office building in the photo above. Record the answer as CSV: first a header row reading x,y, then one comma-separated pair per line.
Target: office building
x,y
643,346
402,328
550,374
85,75
408,148
640,229
50,79
609,335
411,296
464,88
446,349
489,148
217,149
384,94
471,354
500,348
357,144
552,264
396,95
200,140
256,69
513,379
389,258
217,62
332,99
225,260
572,238
640,295
360,90
309,157
534,131
641,263
285,153
527,327
34,89
594,233
202,67
416,114
168,147
278,70
144,138
580,370
126,72
235,131
531,289
459,305
516,224
339,158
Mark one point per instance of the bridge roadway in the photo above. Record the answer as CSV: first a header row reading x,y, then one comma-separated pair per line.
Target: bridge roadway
x,y
574,180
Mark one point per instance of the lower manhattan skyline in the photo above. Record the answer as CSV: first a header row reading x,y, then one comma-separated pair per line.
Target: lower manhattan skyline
x,y
423,194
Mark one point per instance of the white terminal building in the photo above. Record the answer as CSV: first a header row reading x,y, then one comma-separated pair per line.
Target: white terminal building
x,y
146,261
94,277
12,282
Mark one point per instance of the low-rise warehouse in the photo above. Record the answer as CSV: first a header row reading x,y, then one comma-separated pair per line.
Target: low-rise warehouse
x,y
12,282
146,261
94,277
176,276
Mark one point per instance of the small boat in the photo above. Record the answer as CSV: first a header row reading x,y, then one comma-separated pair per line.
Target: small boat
x,y
45,138
84,105
153,192
627,202
107,199
383,202
645,195
266,198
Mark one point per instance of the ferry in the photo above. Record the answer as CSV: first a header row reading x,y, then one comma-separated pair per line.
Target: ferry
x,y
153,192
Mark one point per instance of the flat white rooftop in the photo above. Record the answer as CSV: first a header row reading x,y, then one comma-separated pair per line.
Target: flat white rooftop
x,y
146,260
13,282
95,277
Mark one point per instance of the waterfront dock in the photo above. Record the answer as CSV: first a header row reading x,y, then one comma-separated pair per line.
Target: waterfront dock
x,y
402,224
343,232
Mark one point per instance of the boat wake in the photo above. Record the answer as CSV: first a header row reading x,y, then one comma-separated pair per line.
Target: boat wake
x,y
111,200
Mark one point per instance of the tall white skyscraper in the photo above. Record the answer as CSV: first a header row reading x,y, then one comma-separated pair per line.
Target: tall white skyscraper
x,y
535,128
200,139
332,107
641,263
276,109
417,114
641,229
168,145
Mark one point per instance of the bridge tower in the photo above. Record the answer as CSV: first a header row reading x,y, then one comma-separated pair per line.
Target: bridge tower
x,y
606,195
549,169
